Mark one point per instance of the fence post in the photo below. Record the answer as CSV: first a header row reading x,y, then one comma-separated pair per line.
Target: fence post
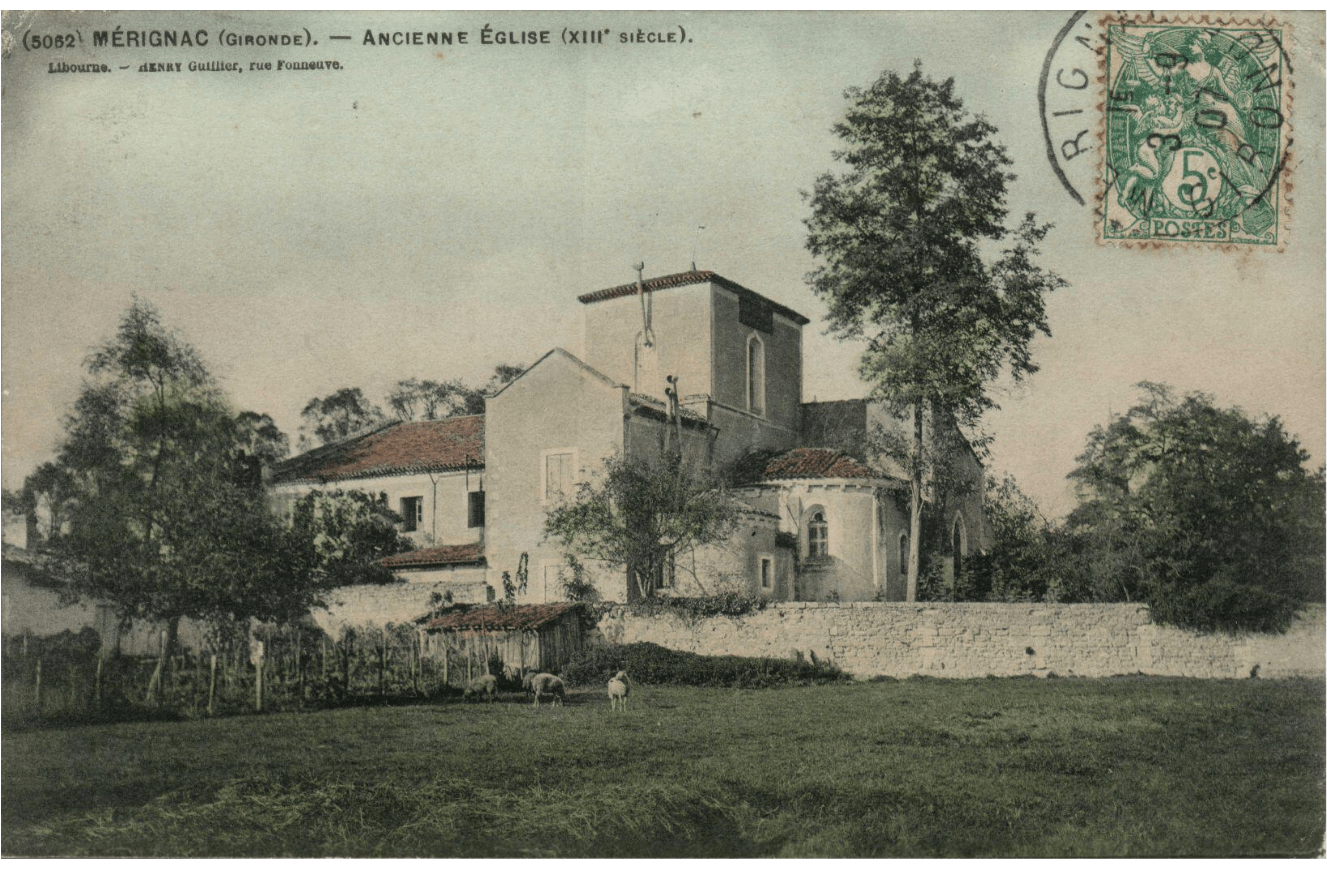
x,y
382,666
416,660
154,691
446,659
299,668
256,658
212,686
38,681
73,688
96,685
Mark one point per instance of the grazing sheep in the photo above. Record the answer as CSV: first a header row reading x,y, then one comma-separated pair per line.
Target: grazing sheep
x,y
619,687
547,685
483,686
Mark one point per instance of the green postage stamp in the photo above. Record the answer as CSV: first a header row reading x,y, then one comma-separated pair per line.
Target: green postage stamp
x,y
1197,131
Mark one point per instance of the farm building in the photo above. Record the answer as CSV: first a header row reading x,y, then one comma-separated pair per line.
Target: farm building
x,y
528,638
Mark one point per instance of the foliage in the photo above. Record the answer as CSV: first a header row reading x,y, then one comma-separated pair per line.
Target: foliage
x,y
345,535
261,438
338,416
649,664
513,587
897,235
156,503
725,603
1205,513
431,399
1022,561
642,518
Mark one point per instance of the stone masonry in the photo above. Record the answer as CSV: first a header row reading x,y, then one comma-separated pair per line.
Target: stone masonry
x,y
982,639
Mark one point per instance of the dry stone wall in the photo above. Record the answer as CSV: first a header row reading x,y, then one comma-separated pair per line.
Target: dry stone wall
x,y
361,606
982,639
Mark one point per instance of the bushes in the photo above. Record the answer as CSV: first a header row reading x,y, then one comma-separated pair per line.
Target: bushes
x,y
655,665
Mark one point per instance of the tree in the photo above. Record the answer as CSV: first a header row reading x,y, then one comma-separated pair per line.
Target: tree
x,y
261,438
429,399
161,512
163,516
897,233
502,375
337,416
641,518
1208,515
345,535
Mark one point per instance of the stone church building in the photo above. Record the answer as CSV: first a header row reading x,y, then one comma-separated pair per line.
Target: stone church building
x,y
822,522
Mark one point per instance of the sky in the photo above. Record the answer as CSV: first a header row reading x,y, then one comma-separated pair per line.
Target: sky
x,y
432,211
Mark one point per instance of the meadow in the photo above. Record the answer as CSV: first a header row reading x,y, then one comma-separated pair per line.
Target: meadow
x,y
1131,766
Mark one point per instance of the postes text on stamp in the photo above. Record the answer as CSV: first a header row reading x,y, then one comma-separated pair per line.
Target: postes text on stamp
x,y
1196,132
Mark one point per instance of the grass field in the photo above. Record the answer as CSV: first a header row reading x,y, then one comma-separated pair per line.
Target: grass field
x,y
1011,767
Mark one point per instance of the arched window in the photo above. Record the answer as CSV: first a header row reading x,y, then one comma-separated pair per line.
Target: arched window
x,y
755,375
817,536
959,543
903,555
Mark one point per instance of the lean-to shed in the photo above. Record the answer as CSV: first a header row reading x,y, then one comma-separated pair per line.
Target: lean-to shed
x,y
528,638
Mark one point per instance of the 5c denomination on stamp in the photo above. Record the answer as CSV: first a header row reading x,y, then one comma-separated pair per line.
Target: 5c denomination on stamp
x,y
1196,134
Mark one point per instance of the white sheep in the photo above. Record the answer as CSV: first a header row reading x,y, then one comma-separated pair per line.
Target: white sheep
x,y
619,687
482,686
547,685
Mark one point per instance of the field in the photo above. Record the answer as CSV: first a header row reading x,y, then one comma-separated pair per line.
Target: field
x,y
1012,767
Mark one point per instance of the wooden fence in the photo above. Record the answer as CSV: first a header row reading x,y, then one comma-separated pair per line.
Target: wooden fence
x,y
273,668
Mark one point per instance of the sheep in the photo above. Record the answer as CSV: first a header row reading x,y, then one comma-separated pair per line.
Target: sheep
x,y
547,685
483,686
619,687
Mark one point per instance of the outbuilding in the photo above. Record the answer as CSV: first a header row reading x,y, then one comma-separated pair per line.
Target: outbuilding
x,y
527,638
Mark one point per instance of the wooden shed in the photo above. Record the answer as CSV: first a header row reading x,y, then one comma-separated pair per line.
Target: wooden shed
x,y
528,638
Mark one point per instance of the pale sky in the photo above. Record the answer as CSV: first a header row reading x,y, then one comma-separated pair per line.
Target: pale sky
x,y
432,211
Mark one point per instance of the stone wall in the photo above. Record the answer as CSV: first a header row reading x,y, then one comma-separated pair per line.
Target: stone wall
x,y
982,639
359,606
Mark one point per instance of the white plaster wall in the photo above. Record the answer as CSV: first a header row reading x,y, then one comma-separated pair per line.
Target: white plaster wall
x,y
681,325
445,497
557,404
975,640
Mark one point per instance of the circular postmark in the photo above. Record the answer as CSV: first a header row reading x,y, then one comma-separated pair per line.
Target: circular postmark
x,y
1067,97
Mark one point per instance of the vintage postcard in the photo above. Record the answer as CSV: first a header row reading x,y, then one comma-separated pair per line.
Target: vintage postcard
x,y
639,434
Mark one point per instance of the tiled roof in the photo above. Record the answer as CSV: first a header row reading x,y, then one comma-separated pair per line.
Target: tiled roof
x,y
398,448
806,462
658,408
517,618
465,553
683,279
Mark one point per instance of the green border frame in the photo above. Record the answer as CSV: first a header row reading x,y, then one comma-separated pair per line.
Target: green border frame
x,y
725,5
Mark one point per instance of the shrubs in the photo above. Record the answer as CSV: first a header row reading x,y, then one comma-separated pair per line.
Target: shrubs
x,y
655,665
726,603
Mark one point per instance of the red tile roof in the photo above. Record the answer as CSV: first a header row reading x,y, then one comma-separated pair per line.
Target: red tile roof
x,y
805,462
496,618
398,448
683,279
465,553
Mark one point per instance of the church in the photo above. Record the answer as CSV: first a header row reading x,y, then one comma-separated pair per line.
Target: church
x,y
821,520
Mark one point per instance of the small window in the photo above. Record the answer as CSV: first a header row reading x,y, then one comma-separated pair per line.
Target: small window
x,y
412,513
817,536
476,509
903,555
766,572
755,375
559,474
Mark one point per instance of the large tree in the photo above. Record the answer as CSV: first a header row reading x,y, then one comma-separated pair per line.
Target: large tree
x,y
1207,514
643,518
161,512
897,232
